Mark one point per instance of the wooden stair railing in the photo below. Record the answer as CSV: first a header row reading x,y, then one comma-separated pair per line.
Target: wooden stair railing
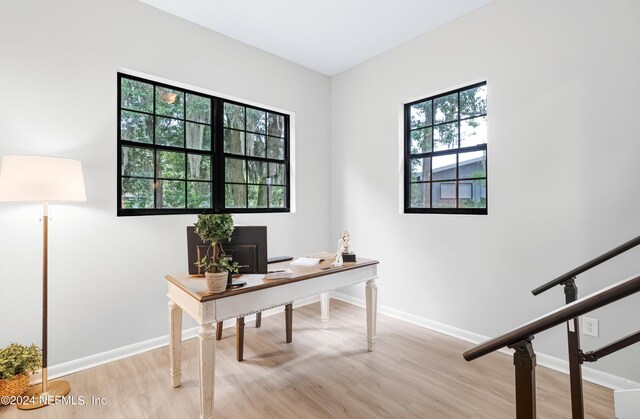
x,y
576,356
524,357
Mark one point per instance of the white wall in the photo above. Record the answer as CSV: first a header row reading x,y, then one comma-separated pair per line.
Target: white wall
x,y
563,150
58,81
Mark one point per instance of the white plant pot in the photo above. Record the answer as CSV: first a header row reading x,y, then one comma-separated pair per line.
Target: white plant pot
x,y
216,282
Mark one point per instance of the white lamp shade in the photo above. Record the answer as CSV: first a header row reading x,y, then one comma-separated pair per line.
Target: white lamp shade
x,y
41,179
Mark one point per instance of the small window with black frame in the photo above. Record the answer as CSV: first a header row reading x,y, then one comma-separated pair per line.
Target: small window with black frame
x,y
445,153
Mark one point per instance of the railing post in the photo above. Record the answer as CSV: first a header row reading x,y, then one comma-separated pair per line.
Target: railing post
x,y
524,359
575,361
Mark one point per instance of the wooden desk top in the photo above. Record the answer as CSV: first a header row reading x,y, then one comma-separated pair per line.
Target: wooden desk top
x,y
196,287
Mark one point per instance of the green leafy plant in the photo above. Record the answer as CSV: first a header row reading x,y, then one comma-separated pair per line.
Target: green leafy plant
x,y
214,228
16,359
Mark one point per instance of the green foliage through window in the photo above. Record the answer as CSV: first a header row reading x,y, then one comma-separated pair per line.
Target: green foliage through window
x,y
169,161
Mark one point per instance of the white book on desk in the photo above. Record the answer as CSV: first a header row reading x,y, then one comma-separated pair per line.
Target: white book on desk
x,y
306,261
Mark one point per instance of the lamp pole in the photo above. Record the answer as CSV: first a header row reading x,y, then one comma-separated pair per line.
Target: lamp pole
x,y
45,291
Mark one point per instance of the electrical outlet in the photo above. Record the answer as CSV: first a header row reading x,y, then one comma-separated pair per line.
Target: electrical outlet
x,y
590,326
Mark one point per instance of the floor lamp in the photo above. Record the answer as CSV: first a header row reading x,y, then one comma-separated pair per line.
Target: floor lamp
x,y
43,180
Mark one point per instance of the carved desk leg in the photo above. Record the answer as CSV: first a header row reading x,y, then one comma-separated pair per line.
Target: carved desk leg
x,y
371,290
175,343
324,309
207,353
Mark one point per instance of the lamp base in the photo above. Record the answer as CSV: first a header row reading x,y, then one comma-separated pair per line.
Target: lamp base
x,y
36,399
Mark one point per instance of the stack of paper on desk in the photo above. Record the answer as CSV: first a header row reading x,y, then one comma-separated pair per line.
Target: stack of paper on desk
x,y
279,274
306,261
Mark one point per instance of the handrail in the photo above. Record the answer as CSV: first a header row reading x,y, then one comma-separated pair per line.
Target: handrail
x,y
585,267
577,308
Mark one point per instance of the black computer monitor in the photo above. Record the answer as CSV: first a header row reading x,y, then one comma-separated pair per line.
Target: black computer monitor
x,y
247,246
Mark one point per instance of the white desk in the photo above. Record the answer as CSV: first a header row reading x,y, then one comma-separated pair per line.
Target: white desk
x,y
189,293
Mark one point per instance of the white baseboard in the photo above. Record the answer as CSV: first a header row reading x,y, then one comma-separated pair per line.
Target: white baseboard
x,y
604,379
91,361
627,403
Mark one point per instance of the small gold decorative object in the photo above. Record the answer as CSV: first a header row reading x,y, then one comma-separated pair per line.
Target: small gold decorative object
x,y
347,254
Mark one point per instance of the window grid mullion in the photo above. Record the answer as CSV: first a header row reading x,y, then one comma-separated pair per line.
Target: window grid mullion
x,y
433,120
156,189
458,153
184,145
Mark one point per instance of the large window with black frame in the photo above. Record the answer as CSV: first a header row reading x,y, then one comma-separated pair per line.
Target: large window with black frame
x,y
446,153
182,151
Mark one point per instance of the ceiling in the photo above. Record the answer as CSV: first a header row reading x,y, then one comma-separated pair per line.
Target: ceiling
x,y
328,36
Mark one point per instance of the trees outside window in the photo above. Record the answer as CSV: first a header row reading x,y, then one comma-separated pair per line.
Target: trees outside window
x,y
445,151
181,151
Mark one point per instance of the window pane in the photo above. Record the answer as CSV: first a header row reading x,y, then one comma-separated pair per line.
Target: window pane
x,y
235,196
420,115
420,169
257,172
444,167
277,174
198,195
198,136
257,196
169,102
136,95
421,140
235,171
198,167
446,108
473,165
136,127
275,125
170,165
233,116
256,145
256,121
169,132
277,196
198,108
137,162
447,190
473,194
473,102
275,148
420,195
444,194
473,131
445,137
233,141
172,193
137,193
465,190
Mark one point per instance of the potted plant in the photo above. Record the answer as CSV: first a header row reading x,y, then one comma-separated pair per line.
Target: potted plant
x,y
16,363
214,228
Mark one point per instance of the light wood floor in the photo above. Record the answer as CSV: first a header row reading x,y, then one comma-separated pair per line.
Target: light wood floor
x,y
414,373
